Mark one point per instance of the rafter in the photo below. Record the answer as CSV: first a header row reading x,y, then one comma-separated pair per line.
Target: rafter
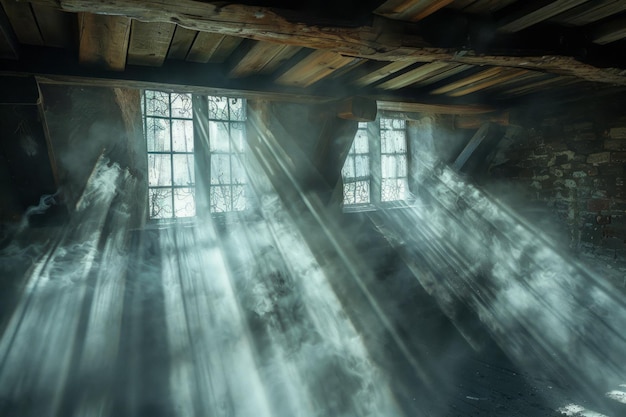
x,y
384,40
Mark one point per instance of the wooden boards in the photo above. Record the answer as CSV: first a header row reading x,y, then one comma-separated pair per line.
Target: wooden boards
x,y
103,40
149,43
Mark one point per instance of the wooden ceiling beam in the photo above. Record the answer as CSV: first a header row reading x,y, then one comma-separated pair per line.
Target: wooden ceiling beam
x,y
385,40
9,46
610,31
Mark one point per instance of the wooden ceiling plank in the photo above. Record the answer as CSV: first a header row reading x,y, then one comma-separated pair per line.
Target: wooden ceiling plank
x,y
460,4
364,41
410,10
103,40
379,74
415,75
487,6
23,22
56,27
537,11
423,107
509,75
610,31
590,12
149,43
181,43
317,65
9,47
491,72
454,70
260,56
212,47
525,78
537,85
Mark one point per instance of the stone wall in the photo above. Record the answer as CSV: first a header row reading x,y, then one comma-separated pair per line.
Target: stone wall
x,y
572,164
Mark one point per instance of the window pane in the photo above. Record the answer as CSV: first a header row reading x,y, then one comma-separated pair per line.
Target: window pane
x,y
398,124
239,197
160,203
218,137
182,135
159,170
184,202
157,103
237,109
158,134
362,163
183,169
220,169
348,192
218,108
181,106
348,167
220,200
237,134
393,141
238,171
362,192
360,144
393,189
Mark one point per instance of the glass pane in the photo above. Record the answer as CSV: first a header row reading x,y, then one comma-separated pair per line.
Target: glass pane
x,y
348,193
218,108
385,124
362,192
218,137
160,203
157,103
360,142
237,109
159,170
182,135
238,171
181,106
398,124
363,125
184,202
393,141
348,167
362,163
220,199
220,169
239,197
393,189
158,134
388,165
237,134
183,169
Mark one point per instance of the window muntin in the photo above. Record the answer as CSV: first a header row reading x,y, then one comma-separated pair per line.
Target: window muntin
x,y
169,130
375,169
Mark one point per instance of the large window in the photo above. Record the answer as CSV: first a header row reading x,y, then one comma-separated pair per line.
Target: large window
x,y
182,129
375,170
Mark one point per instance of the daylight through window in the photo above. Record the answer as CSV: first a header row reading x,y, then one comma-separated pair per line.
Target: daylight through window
x,y
375,170
168,127
172,148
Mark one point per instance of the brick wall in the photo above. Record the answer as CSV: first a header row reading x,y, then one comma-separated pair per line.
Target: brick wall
x,y
574,166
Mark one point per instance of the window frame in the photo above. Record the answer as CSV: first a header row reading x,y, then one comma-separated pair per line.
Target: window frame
x,y
202,156
375,168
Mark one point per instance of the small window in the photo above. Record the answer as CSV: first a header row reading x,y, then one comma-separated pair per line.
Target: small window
x,y
168,128
375,169
227,137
